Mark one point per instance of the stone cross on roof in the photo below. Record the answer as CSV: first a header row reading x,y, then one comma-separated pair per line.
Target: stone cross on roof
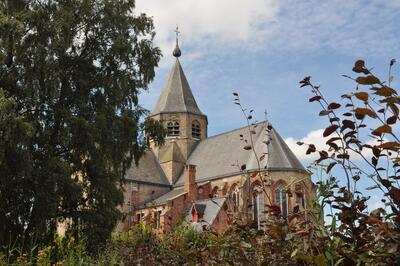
x,y
176,96
177,52
177,32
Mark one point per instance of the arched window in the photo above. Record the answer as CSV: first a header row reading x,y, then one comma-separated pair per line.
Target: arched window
x,y
258,206
234,195
281,199
173,128
196,129
300,200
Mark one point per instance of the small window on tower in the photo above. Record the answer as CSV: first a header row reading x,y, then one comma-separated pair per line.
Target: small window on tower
x,y
196,129
173,128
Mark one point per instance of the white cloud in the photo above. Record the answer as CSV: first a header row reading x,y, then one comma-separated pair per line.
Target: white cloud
x,y
316,137
313,137
208,21
375,202
214,27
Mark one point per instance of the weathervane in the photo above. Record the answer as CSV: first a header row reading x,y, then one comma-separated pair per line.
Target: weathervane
x,y
177,52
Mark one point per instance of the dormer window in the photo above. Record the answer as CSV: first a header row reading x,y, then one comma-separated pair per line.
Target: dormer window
x,y
196,129
198,212
173,128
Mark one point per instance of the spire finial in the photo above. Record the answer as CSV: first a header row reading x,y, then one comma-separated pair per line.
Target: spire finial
x,y
177,52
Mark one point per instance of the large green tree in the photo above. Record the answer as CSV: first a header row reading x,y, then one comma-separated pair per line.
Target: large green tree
x,y
70,122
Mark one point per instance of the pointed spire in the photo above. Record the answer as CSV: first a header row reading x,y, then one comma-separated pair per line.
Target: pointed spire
x,y
177,52
176,96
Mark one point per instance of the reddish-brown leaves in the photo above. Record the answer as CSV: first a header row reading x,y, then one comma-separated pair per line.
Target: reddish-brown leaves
x,y
394,108
323,155
362,112
348,124
391,120
329,130
390,145
305,82
330,166
342,199
274,208
331,143
343,156
386,183
315,98
333,106
368,80
359,67
384,91
373,220
325,112
382,129
363,96
394,193
376,151
311,149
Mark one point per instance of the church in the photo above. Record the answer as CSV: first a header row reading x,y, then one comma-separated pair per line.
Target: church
x,y
208,181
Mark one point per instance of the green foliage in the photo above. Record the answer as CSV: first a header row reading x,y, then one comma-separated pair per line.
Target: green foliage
x,y
70,122
63,251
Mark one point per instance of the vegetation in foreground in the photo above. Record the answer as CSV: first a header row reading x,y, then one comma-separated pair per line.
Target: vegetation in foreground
x,y
362,134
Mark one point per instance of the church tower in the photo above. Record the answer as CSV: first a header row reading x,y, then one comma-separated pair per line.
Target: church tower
x,y
186,125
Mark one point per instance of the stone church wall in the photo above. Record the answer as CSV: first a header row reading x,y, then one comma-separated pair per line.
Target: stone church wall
x,y
134,195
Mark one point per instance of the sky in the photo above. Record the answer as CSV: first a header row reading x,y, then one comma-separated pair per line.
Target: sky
x,y
261,49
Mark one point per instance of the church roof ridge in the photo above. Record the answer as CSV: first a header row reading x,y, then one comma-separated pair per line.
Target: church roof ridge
x,y
235,129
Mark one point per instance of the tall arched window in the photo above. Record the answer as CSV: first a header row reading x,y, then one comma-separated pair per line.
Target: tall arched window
x,y
258,206
196,129
234,195
173,128
281,199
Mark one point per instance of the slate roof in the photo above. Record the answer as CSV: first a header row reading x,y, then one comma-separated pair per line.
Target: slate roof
x,y
220,155
147,171
171,153
167,196
211,208
176,95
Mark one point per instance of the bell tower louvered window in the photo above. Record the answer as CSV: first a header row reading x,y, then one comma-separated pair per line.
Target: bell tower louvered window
x,y
196,132
173,128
